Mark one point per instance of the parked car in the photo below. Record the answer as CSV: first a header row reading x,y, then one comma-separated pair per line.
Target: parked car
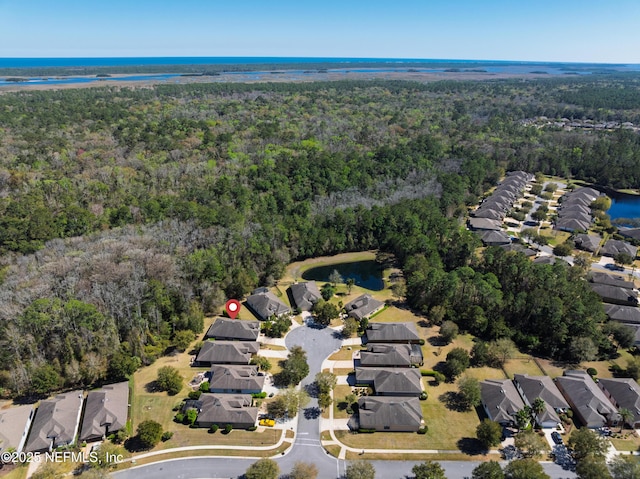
x,y
556,437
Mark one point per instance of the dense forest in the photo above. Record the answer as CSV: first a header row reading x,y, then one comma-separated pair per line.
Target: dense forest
x,y
127,214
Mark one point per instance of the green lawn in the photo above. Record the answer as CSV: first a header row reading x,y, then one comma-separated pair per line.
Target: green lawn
x,y
339,393
524,365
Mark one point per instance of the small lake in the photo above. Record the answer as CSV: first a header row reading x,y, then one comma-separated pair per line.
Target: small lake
x,y
366,273
623,206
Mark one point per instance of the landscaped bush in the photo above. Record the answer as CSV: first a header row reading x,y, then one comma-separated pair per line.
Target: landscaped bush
x,y
261,395
213,428
252,428
228,428
421,342
166,436
179,417
195,395
423,430
593,372
366,431
204,387
427,372
423,396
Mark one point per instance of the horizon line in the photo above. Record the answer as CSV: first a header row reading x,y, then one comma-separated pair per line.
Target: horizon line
x,y
386,59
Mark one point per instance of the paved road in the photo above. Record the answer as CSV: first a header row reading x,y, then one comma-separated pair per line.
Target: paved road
x,y
319,344
210,468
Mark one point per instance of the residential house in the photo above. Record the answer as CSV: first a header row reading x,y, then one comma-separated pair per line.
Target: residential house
x,y
264,304
222,409
631,233
500,400
392,333
615,294
610,279
587,242
543,387
391,381
390,414
614,247
305,295
56,422
226,352
235,379
391,355
363,306
624,393
484,224
233,330
588,403
571,224
14,427
622,314
494,238
518,248
105,412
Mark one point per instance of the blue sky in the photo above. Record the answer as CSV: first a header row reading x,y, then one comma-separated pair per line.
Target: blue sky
x,y
558,30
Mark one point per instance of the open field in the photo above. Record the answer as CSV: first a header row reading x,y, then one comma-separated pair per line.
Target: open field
x,y
523,364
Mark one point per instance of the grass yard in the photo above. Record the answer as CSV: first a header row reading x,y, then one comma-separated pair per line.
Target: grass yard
x,y
339,393
186,436
628,441
522,365
346,353
18,472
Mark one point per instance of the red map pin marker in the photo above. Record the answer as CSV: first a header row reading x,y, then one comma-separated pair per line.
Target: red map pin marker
x,y
233,308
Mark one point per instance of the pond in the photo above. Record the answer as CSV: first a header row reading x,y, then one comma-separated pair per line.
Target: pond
x,y
366,273
623,206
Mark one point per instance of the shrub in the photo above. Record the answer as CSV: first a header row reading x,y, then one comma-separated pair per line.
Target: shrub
x,y
421,342
252,428
166,436
423,396
179,417
228,428
366,431
195,395
261,395
593,372
423,429
427,372
214,428
204,387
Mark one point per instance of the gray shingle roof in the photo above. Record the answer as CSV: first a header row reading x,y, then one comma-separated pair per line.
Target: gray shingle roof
x,y
222,409
392,333
501,400
14,422
588,242
305,294
633,233
610,279
623,314
391,381
235,378
105,412
542,387
586,399
234,329
389,413
616,295
227,352
265,304
625,393
391,355
613,247
571,224
363,306
484,224
56,422
492,238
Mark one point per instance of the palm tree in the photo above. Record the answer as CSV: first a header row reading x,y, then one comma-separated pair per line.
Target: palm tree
x,y
523,418
626,417
537,406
